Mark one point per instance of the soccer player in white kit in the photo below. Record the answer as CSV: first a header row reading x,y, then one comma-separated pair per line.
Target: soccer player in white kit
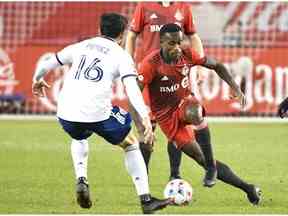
x,y
84,105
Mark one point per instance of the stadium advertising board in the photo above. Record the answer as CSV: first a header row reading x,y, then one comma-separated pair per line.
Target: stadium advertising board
x,y
265,86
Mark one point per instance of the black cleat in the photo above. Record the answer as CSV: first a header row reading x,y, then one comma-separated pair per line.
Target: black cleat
x,y
154,204
210,177
172,177
254,195
82,193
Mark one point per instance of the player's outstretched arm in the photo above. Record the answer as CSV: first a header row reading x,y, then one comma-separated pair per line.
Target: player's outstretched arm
x,y
224,74
283,108
38,83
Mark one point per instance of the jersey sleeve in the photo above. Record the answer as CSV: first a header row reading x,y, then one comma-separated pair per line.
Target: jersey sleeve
x,y
189,25
146,72
126,66
65,56
197,59
137,23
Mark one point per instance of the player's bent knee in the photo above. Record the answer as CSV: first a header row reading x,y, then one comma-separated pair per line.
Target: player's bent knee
x,y
193,114
192,149
132,147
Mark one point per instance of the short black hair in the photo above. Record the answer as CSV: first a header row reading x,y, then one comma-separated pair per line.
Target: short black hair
x,y
112,24
168,28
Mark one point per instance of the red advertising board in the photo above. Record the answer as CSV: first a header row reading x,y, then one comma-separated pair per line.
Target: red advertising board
x,y
266,83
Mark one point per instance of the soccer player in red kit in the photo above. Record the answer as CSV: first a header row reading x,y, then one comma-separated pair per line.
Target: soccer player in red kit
x,y
165,72
146,23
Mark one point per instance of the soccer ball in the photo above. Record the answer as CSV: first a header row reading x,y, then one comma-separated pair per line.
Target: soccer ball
x,y
180,191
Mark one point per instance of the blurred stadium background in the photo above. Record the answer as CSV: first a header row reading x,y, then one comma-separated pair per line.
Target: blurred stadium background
x,y
35,164
250,37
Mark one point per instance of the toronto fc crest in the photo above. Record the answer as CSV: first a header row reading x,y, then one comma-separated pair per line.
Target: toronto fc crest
x,y
178,15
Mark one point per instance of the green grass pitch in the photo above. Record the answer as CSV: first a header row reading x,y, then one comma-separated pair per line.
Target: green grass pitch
x,y
36,175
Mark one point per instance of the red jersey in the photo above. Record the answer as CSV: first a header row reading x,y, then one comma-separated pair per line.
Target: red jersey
x,y
149,17
167,84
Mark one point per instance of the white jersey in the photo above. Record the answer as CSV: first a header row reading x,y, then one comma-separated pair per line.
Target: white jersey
x,y
87,89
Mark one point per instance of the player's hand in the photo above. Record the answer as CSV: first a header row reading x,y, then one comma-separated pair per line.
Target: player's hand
x,y
283,109
38,88
199,76
238,94
148,132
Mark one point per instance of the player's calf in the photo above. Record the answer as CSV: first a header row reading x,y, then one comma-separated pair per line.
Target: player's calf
x,y
202,135
193,150
136,168
174,159
146,153
194,115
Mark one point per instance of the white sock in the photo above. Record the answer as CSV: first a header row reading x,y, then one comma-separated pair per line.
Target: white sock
x,y
136,167
79,152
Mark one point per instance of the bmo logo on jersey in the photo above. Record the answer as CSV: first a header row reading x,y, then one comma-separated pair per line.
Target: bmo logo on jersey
x,y
156,28
170,89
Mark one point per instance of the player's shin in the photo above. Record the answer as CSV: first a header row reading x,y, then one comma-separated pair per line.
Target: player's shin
x,y
136,168
228,176
202,135
175,160
194,114
79,152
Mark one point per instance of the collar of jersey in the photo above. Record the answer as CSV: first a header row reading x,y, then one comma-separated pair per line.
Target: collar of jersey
x,y
109,38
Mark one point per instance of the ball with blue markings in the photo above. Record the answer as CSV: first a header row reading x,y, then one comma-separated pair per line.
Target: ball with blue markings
x,y
180,191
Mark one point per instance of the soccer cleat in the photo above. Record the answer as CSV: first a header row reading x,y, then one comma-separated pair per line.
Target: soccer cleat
x,y
154,204
82,193
254,195
210,177
172,177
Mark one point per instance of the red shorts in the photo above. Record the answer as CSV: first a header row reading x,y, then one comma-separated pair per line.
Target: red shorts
x,y
175,128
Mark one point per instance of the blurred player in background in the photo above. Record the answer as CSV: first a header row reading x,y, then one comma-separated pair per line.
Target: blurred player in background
x,y
165,72
283,108
84,105
146,23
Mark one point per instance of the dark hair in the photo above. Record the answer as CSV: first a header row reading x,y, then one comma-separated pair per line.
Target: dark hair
x,y
168,28
112,24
